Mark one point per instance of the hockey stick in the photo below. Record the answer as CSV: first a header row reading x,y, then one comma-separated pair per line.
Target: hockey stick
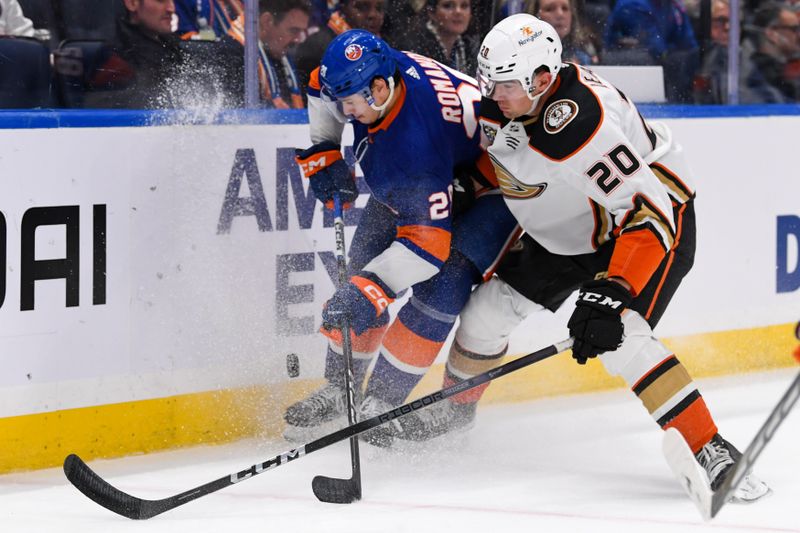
x,y
122,503
331,489
695,480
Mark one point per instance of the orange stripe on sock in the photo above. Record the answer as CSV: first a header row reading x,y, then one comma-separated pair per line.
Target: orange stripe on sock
x,y
469,396
367,342
695,424
409,347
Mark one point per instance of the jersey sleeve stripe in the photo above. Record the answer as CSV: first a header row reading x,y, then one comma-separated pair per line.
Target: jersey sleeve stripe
x,y
486,169
668,266
601,226
427,241
676,187
314,88
643,210
637,254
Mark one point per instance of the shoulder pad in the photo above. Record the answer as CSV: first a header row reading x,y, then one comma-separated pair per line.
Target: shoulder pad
x,y
571,117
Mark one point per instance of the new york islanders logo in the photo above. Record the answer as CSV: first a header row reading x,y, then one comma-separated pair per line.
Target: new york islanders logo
x,y
353,52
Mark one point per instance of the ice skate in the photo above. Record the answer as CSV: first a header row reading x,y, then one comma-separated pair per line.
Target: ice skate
x,y
317,415
717,458
381,436
436,420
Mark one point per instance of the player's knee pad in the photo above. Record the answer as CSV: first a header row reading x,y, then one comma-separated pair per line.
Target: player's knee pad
x,y
640,351
493,311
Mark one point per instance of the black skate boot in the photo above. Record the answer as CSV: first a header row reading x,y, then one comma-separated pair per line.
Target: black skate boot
x,y
316,415
718,458
436,420
381,436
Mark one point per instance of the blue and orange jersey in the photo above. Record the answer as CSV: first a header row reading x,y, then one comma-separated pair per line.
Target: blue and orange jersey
x,y
408,159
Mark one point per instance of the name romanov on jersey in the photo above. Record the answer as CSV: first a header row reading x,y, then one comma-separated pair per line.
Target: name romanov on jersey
x,y
446,93
269,464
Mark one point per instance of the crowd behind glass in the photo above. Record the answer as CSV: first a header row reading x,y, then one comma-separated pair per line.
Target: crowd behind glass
x,y
161,54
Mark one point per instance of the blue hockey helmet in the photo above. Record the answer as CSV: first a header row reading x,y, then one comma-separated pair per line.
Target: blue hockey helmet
x,y
352,60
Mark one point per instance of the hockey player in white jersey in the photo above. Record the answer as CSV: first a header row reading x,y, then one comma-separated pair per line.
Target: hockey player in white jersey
x,y
606,200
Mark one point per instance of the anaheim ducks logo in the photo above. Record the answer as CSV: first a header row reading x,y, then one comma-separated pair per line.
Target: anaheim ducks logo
x,y
512,187
559,114
353,52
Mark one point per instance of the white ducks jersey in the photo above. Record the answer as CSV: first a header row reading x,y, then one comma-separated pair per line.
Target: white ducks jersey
x,y
589,170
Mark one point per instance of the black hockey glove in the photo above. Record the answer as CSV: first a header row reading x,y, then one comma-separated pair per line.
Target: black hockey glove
x,y
329,174
463,191
596,322
359,303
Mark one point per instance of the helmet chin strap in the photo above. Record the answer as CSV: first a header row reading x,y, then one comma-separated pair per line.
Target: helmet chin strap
x,y
535,99
382,108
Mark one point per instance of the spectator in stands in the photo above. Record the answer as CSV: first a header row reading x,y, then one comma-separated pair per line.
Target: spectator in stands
x,y
12,21
771,55
506,8
445,35
352,14
320,13
196,19
563,16
711,80
657,32
403,19
145,61
281,25
657,26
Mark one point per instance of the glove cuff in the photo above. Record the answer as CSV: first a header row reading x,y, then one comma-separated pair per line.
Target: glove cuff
x,y
312,161
379,295
605,295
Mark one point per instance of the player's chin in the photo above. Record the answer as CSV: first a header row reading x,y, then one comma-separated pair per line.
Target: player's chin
x,y
508,112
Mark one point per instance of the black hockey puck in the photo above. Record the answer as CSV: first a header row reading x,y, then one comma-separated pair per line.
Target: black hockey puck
x,y
292,365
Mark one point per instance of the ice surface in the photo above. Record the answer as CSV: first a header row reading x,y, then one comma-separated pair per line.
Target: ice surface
x,y
580,463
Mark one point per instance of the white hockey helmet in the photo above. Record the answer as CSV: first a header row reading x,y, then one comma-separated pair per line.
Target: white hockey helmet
x,y
514,49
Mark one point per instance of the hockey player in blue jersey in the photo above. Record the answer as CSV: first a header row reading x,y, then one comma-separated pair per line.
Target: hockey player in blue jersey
x,y
415,125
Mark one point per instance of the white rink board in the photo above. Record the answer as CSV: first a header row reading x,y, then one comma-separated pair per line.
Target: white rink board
x,y
189,307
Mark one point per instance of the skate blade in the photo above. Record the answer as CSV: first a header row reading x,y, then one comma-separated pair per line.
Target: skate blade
x,y
750,491
403,443
692,477
300,435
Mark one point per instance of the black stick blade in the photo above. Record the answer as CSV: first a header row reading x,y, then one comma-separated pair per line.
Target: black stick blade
x,y
335,490
97,489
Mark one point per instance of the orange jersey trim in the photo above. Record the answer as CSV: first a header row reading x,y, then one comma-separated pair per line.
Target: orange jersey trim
x,y
313,81
678,233
486,168
435,241
589,139
637,254
398,105
409,347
